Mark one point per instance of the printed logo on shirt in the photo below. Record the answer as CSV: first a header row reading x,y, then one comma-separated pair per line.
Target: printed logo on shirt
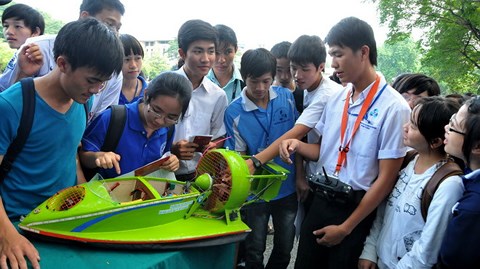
x,y
281,115
11,63
369,120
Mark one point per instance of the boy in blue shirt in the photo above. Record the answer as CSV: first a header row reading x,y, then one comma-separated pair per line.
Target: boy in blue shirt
x,y
47,162
258,117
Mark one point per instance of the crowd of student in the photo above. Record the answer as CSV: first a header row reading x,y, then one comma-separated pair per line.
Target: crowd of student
x,y
348,195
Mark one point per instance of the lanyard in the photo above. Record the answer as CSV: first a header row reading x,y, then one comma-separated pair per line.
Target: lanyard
x,y
269,118
342,150
234,92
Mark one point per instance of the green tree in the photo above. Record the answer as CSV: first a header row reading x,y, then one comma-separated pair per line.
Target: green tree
x,y
52,26
397,58
172,51
154,65
450,37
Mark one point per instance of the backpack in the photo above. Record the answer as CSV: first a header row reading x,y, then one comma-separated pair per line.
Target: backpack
x,y
118,119
24,127
448,169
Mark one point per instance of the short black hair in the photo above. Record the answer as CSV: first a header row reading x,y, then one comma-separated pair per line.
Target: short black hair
x,y
30,16
280,50
419,82
308,49
257,62
173,85
194,30
226,35
89,43
93,7
353,33
131,44
433,114
472,127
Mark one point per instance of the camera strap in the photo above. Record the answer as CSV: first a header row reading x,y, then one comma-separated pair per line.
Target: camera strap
x,y
342,150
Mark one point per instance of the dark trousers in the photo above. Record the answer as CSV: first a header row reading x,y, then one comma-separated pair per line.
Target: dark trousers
x,y
283,212
324,212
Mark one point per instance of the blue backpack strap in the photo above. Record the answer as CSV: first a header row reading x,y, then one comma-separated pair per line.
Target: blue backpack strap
x,y
26,122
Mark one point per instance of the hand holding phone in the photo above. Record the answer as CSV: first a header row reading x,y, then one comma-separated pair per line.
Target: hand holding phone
x,y
201,140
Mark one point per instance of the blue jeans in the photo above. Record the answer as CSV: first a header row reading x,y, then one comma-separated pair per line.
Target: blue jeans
x,y
283,212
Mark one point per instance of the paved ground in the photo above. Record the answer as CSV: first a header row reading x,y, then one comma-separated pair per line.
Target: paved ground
x,y
269,249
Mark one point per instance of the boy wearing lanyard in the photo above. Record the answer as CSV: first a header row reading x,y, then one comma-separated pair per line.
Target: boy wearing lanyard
x,y
361,146
258,117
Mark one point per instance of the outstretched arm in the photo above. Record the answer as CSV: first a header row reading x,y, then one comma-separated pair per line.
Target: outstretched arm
x,y
298,132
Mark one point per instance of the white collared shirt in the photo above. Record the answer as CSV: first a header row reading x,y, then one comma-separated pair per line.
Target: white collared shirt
x,y
204,116
314,102
380,135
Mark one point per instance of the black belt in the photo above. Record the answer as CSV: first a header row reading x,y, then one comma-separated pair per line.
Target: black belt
x,y
186,177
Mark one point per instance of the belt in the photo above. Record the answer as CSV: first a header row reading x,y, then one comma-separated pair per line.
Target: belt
x,y
186,177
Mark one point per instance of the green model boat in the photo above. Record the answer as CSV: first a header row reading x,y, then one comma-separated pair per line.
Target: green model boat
x,y
159,213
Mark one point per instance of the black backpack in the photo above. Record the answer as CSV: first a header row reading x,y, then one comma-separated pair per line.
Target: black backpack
x,y
24,127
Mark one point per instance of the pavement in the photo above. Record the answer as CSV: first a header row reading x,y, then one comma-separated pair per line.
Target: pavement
x,y
269,247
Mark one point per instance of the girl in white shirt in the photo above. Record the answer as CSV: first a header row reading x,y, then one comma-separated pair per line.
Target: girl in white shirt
x,y
400,237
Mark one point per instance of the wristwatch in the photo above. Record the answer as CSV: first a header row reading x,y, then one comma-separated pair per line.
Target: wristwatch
x,y
256,163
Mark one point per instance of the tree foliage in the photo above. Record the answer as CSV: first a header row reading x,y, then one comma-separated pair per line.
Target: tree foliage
x,y
450,37
154,65
397,58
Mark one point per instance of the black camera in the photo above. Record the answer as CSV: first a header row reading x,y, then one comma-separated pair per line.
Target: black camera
x,y
330,187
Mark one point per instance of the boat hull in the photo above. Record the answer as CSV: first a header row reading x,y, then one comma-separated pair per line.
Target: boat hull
x,y
133,212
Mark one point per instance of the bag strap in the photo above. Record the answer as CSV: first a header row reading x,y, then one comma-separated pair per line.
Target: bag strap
x,y
448,169
170,131
24,127
408,158
85,106
115,128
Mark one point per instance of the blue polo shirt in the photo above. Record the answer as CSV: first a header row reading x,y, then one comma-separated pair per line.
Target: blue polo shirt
x,y
123,100
134,147
251,128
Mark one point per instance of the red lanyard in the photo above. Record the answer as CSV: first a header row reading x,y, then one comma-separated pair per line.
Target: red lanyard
x,y
342,154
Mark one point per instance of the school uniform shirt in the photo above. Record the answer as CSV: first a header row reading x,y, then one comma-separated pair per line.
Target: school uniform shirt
x,y
314,102
135,149
47,162
399,235
107,97
233,88
123,100
7,75
379,136
204,116
460,245
251,128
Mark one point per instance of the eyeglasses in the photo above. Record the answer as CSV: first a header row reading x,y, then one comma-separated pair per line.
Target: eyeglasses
x,y
451,122
169,119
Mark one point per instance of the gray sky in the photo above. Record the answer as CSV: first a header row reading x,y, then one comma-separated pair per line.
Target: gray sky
x,y
257,23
